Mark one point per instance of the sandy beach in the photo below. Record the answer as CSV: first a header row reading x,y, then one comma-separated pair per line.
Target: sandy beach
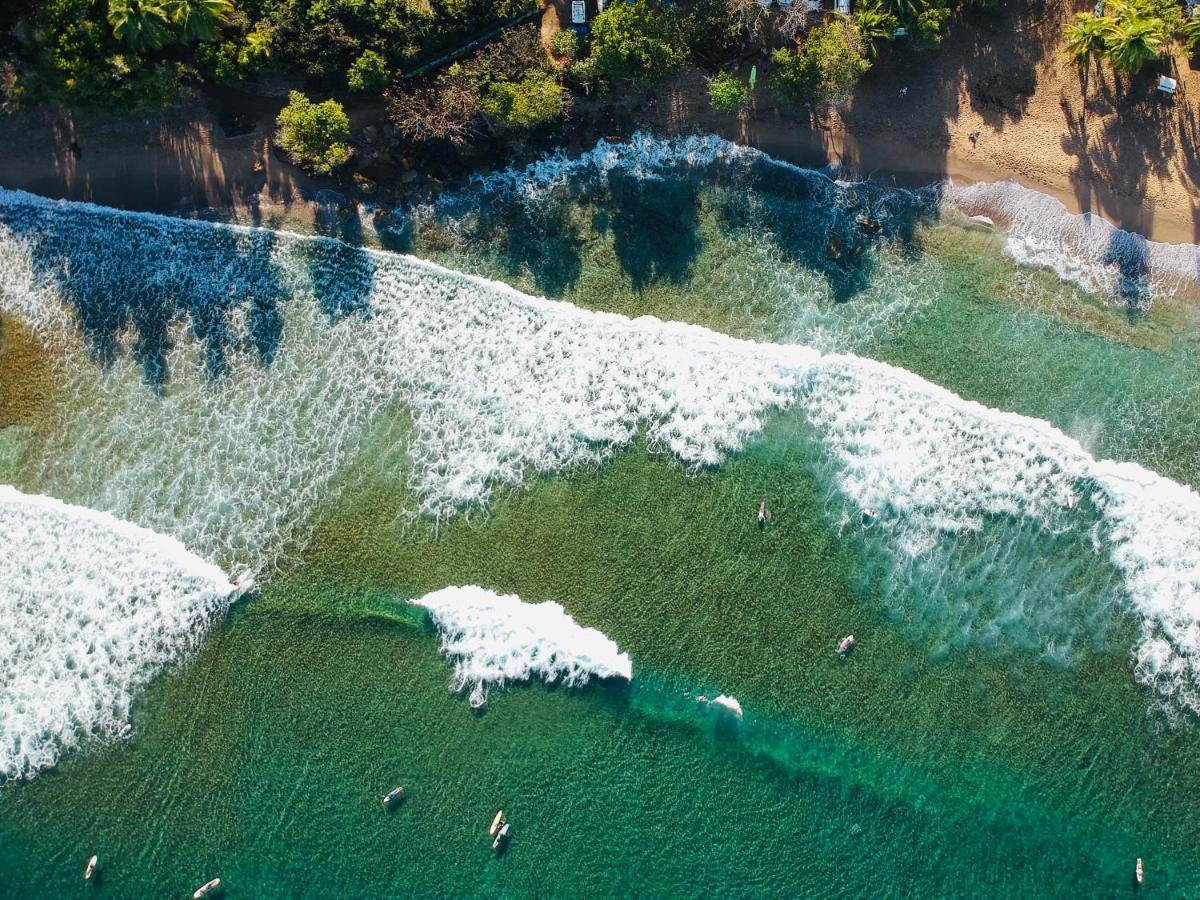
x,y
1121,150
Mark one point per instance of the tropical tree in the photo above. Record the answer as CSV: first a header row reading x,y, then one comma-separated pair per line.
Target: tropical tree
x,y
314,134
195,20
1087,38
1190,32
1134,39
638,41
142,24
825,69
925,19
876,24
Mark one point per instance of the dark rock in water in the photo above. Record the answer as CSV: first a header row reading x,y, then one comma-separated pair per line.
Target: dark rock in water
x,y
370,134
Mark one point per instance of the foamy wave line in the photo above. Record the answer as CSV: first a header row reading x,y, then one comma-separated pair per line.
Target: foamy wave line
x,y
499,383
495,638
91,608
1083,248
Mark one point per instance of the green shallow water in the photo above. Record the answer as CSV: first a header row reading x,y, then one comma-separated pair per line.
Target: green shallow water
x,y
889,774
949,756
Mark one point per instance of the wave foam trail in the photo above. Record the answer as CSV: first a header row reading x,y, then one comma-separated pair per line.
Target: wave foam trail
x,y
498,384
496,638
90,609
1084,249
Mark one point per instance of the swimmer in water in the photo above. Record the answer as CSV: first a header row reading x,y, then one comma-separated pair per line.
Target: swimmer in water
x,y
762,515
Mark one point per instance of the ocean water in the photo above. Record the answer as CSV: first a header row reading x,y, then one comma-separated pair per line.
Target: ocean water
x,y
361,430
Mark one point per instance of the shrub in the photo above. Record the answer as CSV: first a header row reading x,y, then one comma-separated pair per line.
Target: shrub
x,y
535,99
314,134
637,41
368,74
825,69
726,92
446,111
565,44
220,60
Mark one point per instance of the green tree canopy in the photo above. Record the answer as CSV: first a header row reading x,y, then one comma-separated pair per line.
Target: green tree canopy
x,y
197,19
925,20
142,24
1135,37
637,41
535,99
725,91
1087,37
314,134
876,24
825,69
369,73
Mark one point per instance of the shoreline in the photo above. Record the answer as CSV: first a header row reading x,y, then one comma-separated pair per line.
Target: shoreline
x,y
180,164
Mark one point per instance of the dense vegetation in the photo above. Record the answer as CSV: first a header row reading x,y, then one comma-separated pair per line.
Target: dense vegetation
x,y
135,53
139,53
1128,34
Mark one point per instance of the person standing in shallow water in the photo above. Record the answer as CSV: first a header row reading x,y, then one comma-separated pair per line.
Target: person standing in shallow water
x,y
762,515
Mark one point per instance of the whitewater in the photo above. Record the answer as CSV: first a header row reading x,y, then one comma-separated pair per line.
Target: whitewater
x,y
266,360
91,608
495,638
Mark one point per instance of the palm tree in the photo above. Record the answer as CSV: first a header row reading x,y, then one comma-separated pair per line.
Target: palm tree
x,y
196,19
875,25
142,24
1134,39
1087,38
1190,32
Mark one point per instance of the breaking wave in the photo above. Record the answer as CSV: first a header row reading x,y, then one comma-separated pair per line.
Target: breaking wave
x,y
90,609
1080,248
495,638
316,345
1084,249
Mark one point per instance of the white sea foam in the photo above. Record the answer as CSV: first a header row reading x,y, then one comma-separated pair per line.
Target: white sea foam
x,y
90,609
726,702
495,638
1084,249
1081,248
498,383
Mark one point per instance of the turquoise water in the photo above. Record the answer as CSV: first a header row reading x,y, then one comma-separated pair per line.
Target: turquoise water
x,y
988,736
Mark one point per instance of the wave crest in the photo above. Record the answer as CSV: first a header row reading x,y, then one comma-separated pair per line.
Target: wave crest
x,y
91,608
495,638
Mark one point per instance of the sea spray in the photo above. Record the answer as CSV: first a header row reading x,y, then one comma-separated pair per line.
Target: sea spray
x,y
1081,248
235,454
91,608
1084,249
495,638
